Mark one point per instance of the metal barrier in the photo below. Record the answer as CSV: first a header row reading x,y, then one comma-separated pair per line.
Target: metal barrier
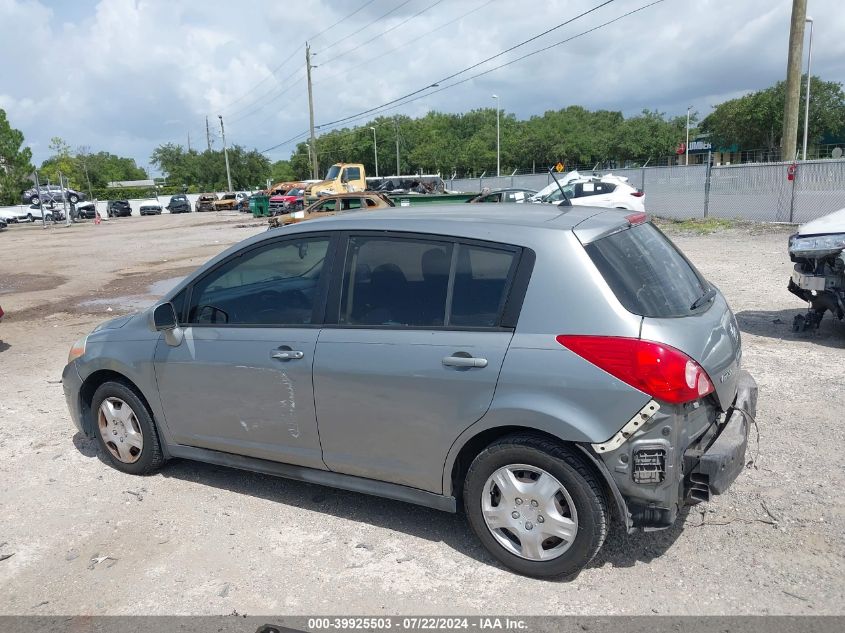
x,y
757,192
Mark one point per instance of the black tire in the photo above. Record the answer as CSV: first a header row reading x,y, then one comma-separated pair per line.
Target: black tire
x,y
73,199
151,457
29,217
582,484
35,200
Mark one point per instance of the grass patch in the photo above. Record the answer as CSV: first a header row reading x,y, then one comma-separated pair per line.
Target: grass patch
x,y
699,226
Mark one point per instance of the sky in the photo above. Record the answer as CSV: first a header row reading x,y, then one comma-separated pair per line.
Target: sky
x,y
125,76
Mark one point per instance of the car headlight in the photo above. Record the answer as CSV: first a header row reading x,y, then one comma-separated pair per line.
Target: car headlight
x,y
817,245
77,349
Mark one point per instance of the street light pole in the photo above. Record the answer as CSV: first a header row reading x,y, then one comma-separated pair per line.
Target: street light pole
x,y
686,147
225,152
375,148
807,96
498,140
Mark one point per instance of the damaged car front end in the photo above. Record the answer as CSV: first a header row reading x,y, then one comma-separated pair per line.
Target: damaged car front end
x,y
818,277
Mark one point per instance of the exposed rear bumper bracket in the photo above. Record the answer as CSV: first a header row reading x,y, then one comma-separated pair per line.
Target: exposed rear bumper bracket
x,y
637,422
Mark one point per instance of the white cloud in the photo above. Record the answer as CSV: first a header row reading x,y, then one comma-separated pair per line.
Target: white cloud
x,y
127,75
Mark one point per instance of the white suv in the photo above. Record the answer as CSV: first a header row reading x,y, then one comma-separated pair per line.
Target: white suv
x,y
594,191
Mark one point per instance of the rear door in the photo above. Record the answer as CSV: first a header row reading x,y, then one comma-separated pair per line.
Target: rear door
x,y
410,354
652,278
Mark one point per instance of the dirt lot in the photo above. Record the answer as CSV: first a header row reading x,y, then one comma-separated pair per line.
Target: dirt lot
x,y
85,538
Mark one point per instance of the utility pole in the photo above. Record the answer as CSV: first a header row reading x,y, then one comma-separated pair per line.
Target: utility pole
x,y
225,152
686,147
498,140
809,76
375,148
314,166
793,81
396,127
207,133
189,141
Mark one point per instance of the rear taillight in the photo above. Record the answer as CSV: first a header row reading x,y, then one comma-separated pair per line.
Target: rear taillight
x,y
661,371
637,194
636,218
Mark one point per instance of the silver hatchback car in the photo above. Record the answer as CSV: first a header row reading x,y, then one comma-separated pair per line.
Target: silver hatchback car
x,y
549,370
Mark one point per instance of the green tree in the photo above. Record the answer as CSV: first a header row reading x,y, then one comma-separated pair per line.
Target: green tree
x,y
755,120
15,162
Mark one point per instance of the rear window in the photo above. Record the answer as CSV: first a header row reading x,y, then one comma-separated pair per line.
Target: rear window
x,y
647,273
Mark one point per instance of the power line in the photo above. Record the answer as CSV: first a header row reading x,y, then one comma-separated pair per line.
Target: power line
x,y
366,26
404,44
383,33
329,28
405,100
476,65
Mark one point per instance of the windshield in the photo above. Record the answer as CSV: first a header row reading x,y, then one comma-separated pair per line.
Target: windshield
x,y
647,273
229,196
295,192
334,170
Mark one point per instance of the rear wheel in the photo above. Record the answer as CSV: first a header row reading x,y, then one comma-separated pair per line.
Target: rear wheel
x,y
73,199
35,200
125,429
536,506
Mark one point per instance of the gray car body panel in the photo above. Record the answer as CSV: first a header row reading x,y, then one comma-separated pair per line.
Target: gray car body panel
x,y
531,380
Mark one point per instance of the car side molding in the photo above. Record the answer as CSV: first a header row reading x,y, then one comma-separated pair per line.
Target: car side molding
x,y
315,476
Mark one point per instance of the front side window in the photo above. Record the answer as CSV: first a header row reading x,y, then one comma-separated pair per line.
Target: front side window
x,y
334,170
353,173
328,206
407,282
277,284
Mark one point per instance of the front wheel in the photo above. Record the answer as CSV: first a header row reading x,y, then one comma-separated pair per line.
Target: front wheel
x,y
35,200
125,429
29,218
536,506
73,199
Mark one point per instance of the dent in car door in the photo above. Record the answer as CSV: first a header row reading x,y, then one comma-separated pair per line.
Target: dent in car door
x,y
401,375
240,381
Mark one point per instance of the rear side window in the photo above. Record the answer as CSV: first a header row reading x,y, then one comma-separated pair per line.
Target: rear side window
x,y
424,283
647,273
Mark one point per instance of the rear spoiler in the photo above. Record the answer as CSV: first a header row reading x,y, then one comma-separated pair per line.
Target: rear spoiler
x,y
607,223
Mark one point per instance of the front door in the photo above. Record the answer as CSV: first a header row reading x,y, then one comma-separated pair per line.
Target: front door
x,y
413,355
240,380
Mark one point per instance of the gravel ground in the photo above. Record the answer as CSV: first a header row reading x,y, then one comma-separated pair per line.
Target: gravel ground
x,y
199,539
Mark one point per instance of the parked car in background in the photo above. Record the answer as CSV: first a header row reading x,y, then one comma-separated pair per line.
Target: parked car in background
x,y
3,224
291,200
150,208
818,277
20,214
118,209
205,202
50,193
595,191
230,201
337,203
516,195
553,372
179,203
86,210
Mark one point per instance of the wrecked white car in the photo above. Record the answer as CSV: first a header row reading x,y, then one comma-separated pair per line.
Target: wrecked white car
x,y
818,250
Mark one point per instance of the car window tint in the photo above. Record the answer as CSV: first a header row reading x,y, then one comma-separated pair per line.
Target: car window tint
x,y
350,203
276,284
481,281
327,206
646,272
395,282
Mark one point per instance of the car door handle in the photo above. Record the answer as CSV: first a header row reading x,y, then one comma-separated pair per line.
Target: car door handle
x,y
287,354
464,361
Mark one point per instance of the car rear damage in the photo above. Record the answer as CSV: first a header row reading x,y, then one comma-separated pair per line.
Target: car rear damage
x,y
688,442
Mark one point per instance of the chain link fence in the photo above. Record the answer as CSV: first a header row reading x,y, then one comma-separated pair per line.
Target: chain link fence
x,y
756,192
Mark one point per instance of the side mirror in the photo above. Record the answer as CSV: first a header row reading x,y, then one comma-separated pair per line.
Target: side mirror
x,y
164,317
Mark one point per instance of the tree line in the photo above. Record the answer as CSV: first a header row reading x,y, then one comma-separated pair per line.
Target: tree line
x,y
445,143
